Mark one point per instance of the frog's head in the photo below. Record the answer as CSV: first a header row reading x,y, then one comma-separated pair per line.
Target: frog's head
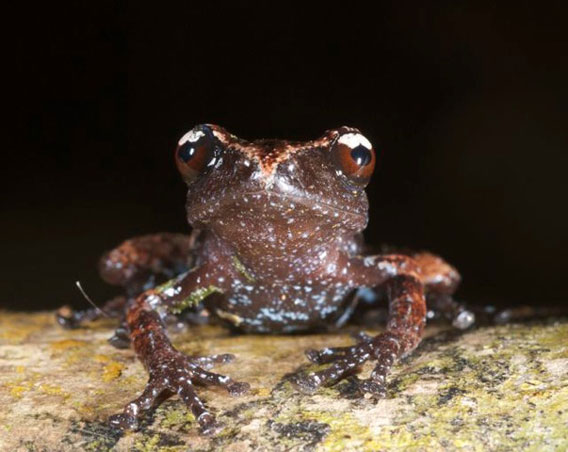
x,y
276,193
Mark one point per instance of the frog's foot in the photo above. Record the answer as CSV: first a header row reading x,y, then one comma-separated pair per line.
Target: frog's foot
x,y
175,373
445,306
383,348
69,318
121,337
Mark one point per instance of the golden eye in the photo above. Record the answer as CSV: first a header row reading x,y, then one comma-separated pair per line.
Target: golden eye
x,y
354,156
195,152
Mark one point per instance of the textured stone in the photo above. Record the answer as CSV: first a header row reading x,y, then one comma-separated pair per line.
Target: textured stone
x,y
498,388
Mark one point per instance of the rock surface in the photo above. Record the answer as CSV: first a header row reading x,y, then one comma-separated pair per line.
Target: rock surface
x,y
498,388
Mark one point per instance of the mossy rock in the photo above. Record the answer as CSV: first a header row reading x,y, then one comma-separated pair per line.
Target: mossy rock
x,y
493,388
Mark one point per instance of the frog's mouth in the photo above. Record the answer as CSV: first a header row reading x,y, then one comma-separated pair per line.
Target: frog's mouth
x,y
280,208
318,207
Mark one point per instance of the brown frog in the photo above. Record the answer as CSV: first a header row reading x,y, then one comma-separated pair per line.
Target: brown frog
x,y
276,248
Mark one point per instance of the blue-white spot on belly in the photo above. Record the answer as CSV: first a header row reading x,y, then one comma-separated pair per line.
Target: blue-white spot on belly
x,y
280,308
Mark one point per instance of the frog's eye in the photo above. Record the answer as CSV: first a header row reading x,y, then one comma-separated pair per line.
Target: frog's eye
x,y
353,155
195,152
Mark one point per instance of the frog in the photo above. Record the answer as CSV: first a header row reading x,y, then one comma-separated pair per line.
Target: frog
x,y
276,247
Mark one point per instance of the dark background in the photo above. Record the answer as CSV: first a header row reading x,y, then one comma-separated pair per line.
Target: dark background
x,y
466,102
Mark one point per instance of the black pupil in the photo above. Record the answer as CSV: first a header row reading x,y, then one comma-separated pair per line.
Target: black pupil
x,y
186,151
361,155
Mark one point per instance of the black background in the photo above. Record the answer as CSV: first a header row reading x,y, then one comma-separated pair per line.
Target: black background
x,y
465,101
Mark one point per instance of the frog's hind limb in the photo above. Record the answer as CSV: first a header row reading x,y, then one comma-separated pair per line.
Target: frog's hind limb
x,y
135,263
440,281
135,266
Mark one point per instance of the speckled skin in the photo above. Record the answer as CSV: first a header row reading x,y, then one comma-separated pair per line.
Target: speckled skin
x,y
276,248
